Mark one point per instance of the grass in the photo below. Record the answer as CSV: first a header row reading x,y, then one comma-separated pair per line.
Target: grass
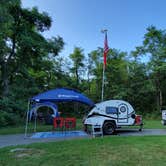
x,y
114,151
40,127
148,124
153,124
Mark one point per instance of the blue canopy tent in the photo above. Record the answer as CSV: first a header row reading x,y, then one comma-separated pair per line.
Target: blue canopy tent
x,y
62,95
58,95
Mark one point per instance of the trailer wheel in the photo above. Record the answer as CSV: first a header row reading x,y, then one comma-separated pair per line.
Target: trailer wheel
x,y
108,128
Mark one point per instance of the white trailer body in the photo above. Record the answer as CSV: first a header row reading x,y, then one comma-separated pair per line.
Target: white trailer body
x,y
112,114
163,117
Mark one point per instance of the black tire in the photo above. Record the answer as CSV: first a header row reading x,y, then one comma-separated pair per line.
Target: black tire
x,y
108,128
164,122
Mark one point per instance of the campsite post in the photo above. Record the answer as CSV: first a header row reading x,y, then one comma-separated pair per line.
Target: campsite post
x,y
106,49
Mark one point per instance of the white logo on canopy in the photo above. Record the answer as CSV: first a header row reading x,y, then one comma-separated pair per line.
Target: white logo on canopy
x,y
68,96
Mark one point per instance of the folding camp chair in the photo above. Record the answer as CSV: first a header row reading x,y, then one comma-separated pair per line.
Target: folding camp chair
x,y
70,123
58,123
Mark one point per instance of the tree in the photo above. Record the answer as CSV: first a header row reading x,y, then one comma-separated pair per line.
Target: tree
x,y
154,46
77,57
26,57
116,75
95,72
22,44
89,67
140,88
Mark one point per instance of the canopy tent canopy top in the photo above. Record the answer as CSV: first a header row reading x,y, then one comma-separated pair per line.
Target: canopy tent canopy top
x,y
62,95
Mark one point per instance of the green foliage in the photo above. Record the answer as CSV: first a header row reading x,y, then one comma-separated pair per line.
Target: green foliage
x,y
29,65
25,67
154,46
77,57
9,119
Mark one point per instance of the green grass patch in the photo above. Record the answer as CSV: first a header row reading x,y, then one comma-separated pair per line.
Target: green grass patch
x,y
153,124
148,124
147,150
40,127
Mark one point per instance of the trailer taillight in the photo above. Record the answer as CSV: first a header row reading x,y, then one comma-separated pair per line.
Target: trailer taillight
x,y
138,119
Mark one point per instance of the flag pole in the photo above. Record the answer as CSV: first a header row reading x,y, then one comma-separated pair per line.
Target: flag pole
x,y
103,82
104,62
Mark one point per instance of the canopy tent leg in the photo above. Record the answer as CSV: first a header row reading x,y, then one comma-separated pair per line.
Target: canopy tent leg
x,y
27,119
35,123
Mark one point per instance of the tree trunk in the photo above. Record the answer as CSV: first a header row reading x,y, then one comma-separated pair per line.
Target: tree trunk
x,y
159,93
5,79
160,99
158,96
4,68
157,101
77,78
88,84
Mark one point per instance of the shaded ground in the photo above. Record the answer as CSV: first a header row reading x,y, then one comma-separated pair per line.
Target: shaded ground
x,y
18,139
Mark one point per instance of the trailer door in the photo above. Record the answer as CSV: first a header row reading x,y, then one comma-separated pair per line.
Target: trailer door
x,y
122,113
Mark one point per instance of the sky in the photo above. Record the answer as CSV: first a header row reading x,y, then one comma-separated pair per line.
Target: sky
x,y
80,22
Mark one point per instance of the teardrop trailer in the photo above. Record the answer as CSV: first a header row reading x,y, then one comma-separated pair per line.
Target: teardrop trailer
x,y
163,121
112,114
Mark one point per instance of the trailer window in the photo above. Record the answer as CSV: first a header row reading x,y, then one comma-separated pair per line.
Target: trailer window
x,y
111,110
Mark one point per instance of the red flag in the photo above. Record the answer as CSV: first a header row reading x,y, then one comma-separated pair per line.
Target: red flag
x,y
106,49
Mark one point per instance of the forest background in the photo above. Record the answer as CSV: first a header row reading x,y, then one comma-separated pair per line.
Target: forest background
x,y
30,64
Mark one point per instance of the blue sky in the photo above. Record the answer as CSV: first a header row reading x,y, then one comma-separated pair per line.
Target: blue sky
x,y
79,22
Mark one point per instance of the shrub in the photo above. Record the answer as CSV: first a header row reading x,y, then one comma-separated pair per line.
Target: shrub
x,y
7,119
